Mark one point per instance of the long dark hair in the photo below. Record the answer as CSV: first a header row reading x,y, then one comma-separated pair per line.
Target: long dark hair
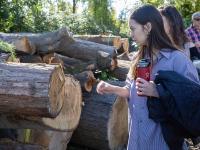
x,y
175,20
157,38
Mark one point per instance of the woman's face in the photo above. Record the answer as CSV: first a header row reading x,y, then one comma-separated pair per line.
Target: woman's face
x,y
166,25
137,32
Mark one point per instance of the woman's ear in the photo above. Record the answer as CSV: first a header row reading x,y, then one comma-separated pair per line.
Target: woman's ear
x,y
147,27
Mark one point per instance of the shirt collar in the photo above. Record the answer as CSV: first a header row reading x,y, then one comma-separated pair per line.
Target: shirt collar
x,y
164,53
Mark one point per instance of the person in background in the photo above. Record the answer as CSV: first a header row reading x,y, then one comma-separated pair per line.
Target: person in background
x,y
193,33
173,24
147,30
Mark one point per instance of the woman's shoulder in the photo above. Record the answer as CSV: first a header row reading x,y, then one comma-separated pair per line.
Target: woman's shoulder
x,y
179,54
183,65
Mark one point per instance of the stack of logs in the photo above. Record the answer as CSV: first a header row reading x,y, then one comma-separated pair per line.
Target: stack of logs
x,y
52,86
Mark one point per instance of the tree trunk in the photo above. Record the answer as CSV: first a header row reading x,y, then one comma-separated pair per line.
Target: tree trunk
x,y
92,129
125,44
101,39
118,125
74,7
122,70
52,140
4,57
100,54
12,145
67,119
123,56
21,43
26,58
86,79
74,66
31,89
41,43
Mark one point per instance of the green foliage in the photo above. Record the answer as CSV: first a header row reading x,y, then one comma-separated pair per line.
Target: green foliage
x,y
98,17
105,74
156,3
187,8
101,12
8,48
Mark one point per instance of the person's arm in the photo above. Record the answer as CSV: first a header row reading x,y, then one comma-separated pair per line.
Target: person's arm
x,y
105,88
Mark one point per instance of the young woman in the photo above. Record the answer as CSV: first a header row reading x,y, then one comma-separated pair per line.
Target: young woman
x,y
173,24
147,30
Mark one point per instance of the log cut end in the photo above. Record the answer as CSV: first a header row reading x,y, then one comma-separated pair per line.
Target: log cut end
x,y
56,90
24,45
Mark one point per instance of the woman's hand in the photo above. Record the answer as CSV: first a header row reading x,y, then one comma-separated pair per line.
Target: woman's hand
x,y
146,88
103,87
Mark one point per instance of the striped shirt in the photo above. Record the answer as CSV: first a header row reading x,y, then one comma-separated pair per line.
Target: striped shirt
x,y
144,133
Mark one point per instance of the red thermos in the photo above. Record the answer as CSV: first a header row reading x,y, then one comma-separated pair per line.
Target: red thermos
x,y
143,69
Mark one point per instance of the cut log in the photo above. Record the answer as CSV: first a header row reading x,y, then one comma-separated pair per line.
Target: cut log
x,y
121,71
124,47
74,66
92,129
123,56
26,58
118,125
87,80
100,54
101,39
21,43
41,43
125,44
61,41
12,145
31,89
67,119
4,57
52,58
52,140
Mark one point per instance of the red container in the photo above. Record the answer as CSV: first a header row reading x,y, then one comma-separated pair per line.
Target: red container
x,y
143,69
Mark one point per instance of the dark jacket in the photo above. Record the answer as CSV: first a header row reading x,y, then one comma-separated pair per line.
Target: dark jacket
x,y
177,109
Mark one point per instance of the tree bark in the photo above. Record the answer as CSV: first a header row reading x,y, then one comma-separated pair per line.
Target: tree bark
x,y
125,44
4,57
92,129
101,39
118,125
86,79
27,58
100,54
41,43
51,140
122,70
67,119
31,89
74,66
12,145
21,43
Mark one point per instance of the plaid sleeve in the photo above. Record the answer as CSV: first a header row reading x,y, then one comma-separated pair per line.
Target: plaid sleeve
x,y
188,35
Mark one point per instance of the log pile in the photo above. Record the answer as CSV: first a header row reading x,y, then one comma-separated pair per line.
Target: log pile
x,y
53,86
